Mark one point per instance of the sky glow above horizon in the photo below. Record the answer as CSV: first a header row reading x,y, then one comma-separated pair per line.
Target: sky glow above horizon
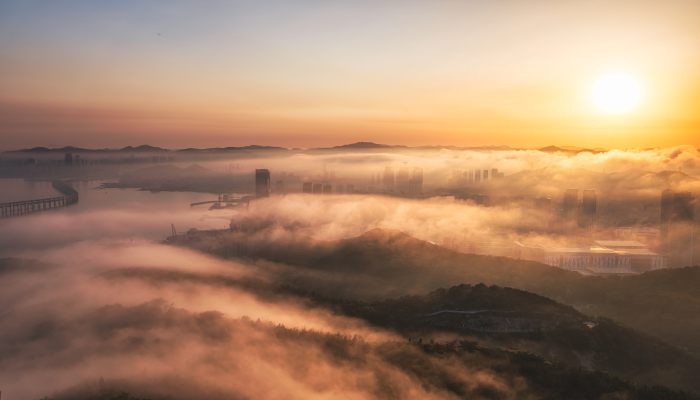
x,y
313,73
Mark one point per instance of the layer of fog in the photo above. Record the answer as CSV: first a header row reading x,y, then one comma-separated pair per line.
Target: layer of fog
x,y
80,318
95,309
540,173
628,185
76,319
108,214
443,219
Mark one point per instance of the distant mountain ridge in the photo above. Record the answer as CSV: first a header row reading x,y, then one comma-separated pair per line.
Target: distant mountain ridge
x,y
253,147
144,148
363,145
570,149
73,149
356,146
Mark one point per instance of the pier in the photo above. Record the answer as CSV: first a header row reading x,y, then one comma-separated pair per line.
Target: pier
x,y
18,208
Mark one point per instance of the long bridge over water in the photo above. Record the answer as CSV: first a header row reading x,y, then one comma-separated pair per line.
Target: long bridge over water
x,y
17,208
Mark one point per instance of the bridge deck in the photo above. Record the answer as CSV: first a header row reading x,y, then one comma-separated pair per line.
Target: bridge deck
x,y
17,208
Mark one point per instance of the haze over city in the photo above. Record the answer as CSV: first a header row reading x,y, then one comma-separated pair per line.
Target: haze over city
x,y
351,200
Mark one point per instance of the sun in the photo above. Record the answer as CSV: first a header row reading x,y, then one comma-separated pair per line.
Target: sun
x,y
616,93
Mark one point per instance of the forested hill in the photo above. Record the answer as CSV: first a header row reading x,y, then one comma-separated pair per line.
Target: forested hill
x,y
384,263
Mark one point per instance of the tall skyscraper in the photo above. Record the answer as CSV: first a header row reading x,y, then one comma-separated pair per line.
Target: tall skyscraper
x,y
388,180
570,203
280,187
684,206
402,180
666,211
589,208
544,203
262,183
676,207
677,219
415,184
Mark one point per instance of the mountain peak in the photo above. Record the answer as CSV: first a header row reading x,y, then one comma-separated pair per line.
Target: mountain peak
x,y
142,148
363,145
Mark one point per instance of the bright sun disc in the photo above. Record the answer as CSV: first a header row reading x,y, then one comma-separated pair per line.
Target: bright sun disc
x,y
616,93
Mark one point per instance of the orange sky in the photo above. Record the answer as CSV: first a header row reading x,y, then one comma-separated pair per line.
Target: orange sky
x,y
176,74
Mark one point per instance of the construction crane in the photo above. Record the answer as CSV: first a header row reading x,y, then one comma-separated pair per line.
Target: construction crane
x,y
226,201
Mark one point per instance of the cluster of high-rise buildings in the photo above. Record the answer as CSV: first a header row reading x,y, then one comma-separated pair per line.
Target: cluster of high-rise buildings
x,y
262,183
583,209
327,188
475,177
478,175
631,250
402,181
677,226
676,207
70,159
73,160
577,207
599,256
263,186
673,242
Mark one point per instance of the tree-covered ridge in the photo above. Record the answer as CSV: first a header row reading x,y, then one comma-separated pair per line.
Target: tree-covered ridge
x,y
456,369
383,263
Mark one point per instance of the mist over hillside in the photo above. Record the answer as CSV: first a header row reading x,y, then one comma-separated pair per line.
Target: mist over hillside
x,y
384,263
157,285
191,322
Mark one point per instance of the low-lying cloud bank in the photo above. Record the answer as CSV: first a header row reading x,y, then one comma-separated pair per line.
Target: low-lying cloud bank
x,y
96,307
76,317
628,185
560,169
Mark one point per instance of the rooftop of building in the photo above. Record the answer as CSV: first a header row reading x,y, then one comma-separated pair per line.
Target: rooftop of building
x,y
620,243
620,247
582,250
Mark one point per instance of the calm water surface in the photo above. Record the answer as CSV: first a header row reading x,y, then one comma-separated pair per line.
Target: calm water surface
x,y
102,214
